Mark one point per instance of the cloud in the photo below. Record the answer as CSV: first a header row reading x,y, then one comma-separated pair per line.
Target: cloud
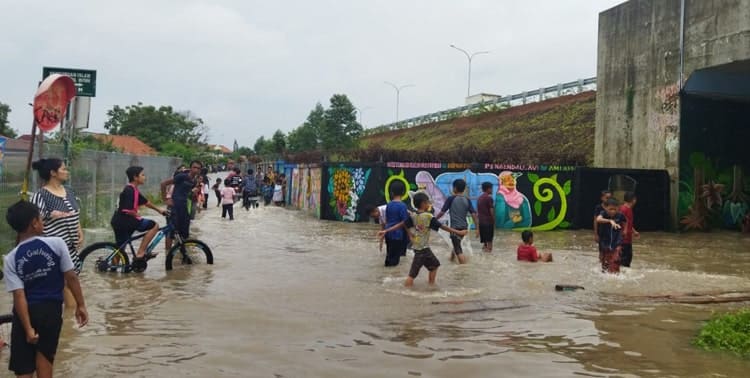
x,y
251,67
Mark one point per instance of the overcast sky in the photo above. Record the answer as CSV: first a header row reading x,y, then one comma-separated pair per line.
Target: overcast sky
x,y
251,67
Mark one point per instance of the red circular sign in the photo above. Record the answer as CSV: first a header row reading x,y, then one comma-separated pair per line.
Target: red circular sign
x,y
51,101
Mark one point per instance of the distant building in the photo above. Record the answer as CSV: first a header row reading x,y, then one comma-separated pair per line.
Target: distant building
x,y
220,149
128,144
481,97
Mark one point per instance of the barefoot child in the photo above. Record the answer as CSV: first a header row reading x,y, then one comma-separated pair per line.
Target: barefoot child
x,y
217,191
423,222
396,214
227,202
36,272
527,251
486,215
611,223
377,214
604,197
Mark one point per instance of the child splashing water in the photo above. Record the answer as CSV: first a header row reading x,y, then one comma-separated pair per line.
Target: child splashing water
x,y
422,222
611,231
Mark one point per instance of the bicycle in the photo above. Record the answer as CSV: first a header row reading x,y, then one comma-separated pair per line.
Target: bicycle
x,y
113,258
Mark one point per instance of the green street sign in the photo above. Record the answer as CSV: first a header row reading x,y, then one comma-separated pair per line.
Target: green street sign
x,y
85,80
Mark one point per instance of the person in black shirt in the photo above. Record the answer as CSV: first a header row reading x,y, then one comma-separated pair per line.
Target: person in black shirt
x,y
126,219
611,224
606,195
184,189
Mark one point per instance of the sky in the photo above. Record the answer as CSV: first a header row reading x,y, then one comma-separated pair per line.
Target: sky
x,y
248,68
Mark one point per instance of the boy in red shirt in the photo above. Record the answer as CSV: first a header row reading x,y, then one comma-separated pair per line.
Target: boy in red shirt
x,y
611,227
527,251
630,232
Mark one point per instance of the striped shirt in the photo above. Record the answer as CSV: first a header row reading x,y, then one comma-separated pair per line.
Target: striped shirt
x,y
64,223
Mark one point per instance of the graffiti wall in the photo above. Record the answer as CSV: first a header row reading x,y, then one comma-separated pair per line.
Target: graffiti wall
x,y
537,197
533,197
304,188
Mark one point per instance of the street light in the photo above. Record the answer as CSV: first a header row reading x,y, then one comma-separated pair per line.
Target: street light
x,y
398,93
469,57
361,111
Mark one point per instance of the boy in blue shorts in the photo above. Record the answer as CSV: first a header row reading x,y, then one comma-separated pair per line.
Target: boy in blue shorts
x,y
36,272
126,219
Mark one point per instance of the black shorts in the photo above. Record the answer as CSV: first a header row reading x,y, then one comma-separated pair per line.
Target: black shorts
x,y
423,258
181,219
456,241
46,319
486,232
125,225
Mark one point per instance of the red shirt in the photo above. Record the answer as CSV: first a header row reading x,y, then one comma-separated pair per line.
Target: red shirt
x,y
527,253
627,211
485,204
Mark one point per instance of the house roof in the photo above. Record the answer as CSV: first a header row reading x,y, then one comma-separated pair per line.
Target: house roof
x,y
220,148
127,143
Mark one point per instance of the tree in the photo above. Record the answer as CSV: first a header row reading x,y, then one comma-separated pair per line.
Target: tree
x,y
5,129
341,128
263,146
156,126
307,136
278,142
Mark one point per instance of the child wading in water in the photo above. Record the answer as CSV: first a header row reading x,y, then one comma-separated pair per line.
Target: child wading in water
x,y
217,191
611,223
527,251
486,211
630,232
460,207
227,202
396,213
422,222
36,272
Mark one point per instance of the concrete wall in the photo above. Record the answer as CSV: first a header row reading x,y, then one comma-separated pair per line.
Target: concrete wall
x,y
638,75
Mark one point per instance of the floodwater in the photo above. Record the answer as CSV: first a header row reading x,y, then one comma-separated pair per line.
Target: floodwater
x,y
291,296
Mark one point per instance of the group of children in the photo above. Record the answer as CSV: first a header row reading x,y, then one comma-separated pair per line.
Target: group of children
x,y
613,229
401,227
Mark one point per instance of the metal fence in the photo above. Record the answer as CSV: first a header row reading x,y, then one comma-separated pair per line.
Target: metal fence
x,y
540,94
96,178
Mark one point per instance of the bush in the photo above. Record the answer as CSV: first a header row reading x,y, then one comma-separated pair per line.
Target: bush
x,y
729,332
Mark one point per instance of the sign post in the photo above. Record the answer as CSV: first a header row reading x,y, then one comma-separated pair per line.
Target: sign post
x,y
85,85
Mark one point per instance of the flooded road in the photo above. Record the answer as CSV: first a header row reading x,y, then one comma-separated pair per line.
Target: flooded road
x,y
291,296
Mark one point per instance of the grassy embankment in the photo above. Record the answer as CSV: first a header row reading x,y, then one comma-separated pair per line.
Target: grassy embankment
x,y
559,130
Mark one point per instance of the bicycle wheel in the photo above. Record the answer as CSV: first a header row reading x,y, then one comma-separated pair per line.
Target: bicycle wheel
x,y
6,321
191,252
104,257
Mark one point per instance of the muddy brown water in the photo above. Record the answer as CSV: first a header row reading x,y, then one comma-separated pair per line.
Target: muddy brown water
x,y
291,296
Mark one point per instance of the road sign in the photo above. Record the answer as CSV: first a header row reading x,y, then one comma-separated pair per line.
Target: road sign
x,y
85,80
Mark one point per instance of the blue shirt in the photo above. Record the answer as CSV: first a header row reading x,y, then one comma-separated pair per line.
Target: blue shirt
x,y
395,212
37,265
183,186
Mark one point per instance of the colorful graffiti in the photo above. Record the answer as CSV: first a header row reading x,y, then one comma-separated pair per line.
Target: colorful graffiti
x,y
513,209
345,187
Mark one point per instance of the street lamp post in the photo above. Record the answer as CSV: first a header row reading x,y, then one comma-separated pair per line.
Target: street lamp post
x,y
398,94
361,111
469,57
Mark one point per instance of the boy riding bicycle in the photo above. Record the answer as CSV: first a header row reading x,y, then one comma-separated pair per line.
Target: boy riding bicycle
x,y
126,219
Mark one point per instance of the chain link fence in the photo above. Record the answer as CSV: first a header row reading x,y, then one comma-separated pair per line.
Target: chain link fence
x,y
96,178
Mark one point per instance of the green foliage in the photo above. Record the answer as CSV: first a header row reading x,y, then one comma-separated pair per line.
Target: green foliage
x,y
187,153
278,142
533,177
341,129
329,130
5,129
538,208
729,332
263,146
156,127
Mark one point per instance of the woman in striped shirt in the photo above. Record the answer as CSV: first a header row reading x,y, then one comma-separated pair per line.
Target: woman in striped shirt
x,y
58,206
